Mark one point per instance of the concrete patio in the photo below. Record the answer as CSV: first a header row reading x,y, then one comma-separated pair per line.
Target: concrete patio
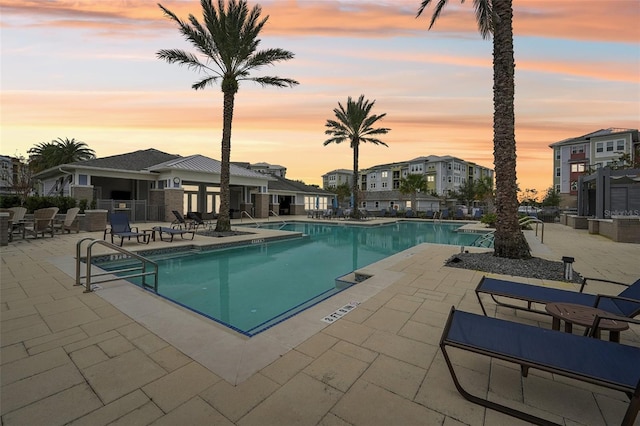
x,y
123,356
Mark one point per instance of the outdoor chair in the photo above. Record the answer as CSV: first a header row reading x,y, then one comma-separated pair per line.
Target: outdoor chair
x,y
17,222
180,221
428,214
444,214
69,222
194,219
477,214
607,364
42,222
625,304
171,232
119,227
409,214
9,222
327,214
459,215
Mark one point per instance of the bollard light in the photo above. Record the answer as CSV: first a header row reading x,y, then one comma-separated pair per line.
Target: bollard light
x,y
568,267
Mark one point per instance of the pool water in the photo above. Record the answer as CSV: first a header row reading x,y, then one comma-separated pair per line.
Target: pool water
x,y
252,288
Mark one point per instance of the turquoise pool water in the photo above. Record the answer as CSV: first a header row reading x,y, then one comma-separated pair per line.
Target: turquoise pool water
x,y
252,288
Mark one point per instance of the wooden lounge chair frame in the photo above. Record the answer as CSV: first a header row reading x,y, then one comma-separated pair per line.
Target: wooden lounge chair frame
x,y
608,364
42,222
626,303
173,231
69,223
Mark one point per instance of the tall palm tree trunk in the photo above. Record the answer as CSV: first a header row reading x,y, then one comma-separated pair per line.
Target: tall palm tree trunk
x,y
509,240
355,213
224,222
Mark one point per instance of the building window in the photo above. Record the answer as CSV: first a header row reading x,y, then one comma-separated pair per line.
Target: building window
x,y
377,204
558,188
609,146
83,180
557,153
384,175
577,149
599,146
431,178
384,184
557,171
372,185
620,145
396,184
574,185
577,168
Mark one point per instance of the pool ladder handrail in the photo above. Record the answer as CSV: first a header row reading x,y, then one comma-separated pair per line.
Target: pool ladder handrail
x,y
246,213
526,220
144,261
487,238
276,215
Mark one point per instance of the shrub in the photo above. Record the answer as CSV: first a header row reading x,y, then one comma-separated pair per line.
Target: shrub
x,y
489,219
7,201
63,203
83,205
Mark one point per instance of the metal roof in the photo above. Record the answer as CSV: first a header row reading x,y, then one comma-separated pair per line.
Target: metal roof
x,y
200,163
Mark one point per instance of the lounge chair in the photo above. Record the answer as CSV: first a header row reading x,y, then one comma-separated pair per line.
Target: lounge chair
x,y
409,214
17,221
611,365
180,221
428,214
120,227
459,215
69,222
42,222
625,304
171,232
194,220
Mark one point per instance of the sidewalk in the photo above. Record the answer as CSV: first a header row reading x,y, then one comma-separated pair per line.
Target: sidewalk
x,y
115,357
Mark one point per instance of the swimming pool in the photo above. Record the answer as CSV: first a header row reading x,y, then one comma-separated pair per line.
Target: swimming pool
x,y
254,287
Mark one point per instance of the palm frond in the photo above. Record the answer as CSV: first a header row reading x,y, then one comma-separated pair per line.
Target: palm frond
x,y
273,81
180,57
207,81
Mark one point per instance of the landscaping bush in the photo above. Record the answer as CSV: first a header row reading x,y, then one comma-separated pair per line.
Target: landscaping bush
x,y
489,219
63,203
7,201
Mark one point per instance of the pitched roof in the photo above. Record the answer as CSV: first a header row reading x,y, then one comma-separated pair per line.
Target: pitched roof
x,y
200,163
137,160
598,133
284,184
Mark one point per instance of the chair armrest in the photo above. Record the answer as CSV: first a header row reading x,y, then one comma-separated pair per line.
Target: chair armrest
x,y
607,296
584,280
135,229
598,318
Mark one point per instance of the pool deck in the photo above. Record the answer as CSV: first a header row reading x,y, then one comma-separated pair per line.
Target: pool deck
x,y
121,355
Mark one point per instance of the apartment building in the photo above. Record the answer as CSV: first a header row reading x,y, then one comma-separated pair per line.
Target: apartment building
x,y
444,174
336,178
581,155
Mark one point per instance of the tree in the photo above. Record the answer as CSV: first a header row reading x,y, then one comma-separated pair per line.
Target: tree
x,y
495,17
467,192
57,152
411,185
551,198
355,124
484,191
228,42
342,191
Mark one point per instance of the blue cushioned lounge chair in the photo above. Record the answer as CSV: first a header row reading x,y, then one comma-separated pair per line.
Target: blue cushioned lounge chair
x,y
608,364
119,227
170,232
626,303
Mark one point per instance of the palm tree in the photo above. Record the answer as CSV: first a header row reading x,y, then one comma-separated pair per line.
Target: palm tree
x,y
355,124
411,185
228,41
71,150
59,151
496,17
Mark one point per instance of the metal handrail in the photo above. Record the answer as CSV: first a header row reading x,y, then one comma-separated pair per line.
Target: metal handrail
x,y
144,261
276,215
250,217
530,219
488,237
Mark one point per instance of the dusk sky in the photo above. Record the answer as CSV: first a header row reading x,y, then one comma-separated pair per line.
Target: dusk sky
x,y
87,69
